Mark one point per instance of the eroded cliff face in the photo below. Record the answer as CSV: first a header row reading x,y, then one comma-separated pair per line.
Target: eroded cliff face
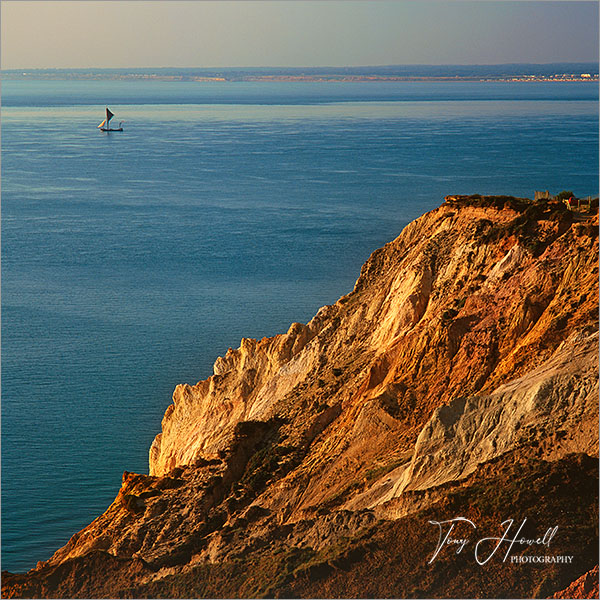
x,y
467,352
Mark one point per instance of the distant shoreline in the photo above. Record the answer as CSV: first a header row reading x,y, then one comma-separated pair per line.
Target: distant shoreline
x,y
393,73
283,78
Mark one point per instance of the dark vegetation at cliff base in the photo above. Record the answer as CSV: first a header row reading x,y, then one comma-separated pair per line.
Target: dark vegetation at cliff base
x,y
375,562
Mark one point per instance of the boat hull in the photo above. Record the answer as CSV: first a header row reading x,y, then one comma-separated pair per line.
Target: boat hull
x,y
104,129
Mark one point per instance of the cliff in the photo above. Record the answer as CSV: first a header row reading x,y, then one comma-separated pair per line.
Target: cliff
x,y
458,379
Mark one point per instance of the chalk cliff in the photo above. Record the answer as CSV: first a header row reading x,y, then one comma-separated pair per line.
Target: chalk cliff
x,y
458,378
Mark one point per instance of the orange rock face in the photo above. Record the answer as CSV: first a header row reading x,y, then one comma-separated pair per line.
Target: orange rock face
x,y
584,587
468,349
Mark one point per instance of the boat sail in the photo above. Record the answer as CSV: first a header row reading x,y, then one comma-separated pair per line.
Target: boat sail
x,y
105,125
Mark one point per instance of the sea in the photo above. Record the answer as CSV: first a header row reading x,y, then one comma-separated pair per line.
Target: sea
x,y
131,260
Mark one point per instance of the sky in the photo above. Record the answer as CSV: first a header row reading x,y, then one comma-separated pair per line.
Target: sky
x,y
246,33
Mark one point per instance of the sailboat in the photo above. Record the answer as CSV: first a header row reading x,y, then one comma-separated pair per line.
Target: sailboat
x,y
104,126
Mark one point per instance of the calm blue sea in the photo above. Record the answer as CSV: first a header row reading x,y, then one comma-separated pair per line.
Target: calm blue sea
x,y
132,260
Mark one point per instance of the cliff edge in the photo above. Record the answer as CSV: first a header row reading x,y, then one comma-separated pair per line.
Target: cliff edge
x,y
458,379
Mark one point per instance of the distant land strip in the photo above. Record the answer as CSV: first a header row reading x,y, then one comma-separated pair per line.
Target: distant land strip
x,y
510,72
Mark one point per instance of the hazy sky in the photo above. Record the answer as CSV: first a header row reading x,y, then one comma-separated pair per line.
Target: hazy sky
x,y
294,33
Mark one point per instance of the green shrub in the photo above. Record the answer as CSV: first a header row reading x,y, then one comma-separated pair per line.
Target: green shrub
x,y
565,195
